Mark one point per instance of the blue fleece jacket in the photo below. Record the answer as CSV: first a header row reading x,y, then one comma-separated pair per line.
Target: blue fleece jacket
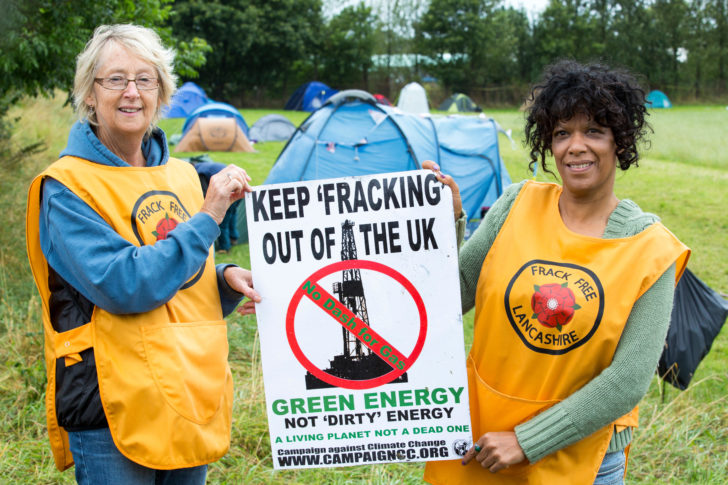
x,y
108,270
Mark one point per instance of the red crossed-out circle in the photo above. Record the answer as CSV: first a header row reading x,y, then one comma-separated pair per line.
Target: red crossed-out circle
x,y
347,383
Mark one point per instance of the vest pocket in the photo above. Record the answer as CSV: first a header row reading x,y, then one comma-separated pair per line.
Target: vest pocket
x,y
492,410
189,364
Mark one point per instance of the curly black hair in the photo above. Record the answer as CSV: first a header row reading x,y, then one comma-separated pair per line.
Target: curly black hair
x,y
611,97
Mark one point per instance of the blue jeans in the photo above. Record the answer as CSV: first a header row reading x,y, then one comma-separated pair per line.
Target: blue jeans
x,y
99,462
611,471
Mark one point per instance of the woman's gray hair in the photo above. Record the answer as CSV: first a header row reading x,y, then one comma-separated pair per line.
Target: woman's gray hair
x,y
140,41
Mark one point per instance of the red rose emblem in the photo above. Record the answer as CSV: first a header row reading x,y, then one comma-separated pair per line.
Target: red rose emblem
x,y
164,226
553,305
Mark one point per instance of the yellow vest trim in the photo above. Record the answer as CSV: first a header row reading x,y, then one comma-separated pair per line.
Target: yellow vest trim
x,y
71,343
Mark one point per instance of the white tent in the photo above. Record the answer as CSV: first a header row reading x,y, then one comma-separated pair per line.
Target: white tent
x,y
413,99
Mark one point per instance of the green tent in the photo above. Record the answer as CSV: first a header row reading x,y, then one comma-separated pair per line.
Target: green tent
x,y
459,103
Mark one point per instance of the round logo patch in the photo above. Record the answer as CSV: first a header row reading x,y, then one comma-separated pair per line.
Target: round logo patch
x,y
154,216
554,307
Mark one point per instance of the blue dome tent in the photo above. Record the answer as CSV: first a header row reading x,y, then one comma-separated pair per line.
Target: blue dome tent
x,y
215,110
185,100
309,97
658,99
353,135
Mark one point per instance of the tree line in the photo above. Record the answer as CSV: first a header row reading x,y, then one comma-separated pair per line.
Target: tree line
x,y
262,50
256,52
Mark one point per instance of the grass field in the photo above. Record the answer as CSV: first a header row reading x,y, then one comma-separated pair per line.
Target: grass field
x,y
683,436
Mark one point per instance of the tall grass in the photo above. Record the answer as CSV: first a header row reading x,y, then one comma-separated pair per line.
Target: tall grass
x,y
683,436
24,454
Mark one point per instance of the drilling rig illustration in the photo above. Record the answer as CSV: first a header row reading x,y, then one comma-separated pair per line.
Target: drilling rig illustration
x,y
357,361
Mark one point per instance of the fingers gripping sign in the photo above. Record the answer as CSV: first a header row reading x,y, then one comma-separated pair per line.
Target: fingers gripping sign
x,y
496,451
457,204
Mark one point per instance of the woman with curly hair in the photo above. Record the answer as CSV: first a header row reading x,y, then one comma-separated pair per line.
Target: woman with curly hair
x,y
573,291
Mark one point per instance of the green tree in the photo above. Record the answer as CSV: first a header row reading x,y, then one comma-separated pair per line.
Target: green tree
x,y
41,39
632,42
349,46
455,33
717,38
671,21
509,56
696,43
254,43
567,29
395,37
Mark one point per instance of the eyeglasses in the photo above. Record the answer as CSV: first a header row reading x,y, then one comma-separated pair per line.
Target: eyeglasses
x,y
119,83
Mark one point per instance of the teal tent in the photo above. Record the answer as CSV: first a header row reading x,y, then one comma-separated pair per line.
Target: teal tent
x,y
658,99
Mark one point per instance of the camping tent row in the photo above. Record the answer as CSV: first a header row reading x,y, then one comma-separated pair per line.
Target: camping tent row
x,y
219,127
215,126
312,95
413,99
351,134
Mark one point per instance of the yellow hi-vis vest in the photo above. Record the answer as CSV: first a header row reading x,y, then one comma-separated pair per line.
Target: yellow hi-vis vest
x,y
550,308
164,379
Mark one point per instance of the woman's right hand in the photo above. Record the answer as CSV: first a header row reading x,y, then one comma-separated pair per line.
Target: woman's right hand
x,y
226,186
241,280
496,451
457,204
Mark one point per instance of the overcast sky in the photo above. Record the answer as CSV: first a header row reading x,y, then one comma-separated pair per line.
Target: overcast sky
x,y
533,7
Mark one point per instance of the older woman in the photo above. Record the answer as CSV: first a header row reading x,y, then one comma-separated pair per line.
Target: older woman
x,y
572,290
119,239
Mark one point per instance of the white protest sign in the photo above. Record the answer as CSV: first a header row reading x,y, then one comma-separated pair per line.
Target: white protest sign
x,y
360,322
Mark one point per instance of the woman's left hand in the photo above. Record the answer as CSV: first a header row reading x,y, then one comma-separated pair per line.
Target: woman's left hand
x,y
498,450
457,204
241,280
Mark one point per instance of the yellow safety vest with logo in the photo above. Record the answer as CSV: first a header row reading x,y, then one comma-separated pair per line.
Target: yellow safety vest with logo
x,y
550,308
164,379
